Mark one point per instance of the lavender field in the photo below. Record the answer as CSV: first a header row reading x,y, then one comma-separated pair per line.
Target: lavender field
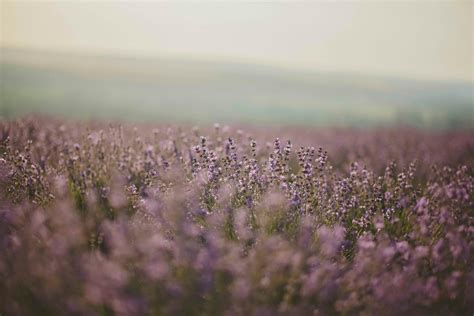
x,y
105,219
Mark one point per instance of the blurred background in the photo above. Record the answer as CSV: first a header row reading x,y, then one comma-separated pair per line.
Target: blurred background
x,y
314,64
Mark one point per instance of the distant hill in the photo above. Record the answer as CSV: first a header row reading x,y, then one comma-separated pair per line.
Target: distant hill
x,y
169,90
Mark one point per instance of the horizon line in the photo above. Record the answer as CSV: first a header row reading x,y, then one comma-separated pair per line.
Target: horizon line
x,y
229,61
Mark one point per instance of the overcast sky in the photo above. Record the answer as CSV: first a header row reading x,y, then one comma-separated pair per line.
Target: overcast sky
x,y
413,39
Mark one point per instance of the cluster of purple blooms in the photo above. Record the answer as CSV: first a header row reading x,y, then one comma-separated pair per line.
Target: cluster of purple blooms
x,y
100,219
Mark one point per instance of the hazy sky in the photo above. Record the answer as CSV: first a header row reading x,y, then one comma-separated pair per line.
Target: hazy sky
x,y
417,39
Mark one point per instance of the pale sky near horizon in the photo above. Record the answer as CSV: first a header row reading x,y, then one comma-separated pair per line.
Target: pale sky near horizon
x,y
413,39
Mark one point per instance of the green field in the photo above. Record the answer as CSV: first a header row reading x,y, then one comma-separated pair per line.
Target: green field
x,y
169,90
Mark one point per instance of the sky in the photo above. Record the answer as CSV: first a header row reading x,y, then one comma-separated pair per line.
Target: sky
x,y
430,40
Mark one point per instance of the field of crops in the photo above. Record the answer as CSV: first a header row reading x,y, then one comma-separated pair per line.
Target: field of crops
x,y
105,219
